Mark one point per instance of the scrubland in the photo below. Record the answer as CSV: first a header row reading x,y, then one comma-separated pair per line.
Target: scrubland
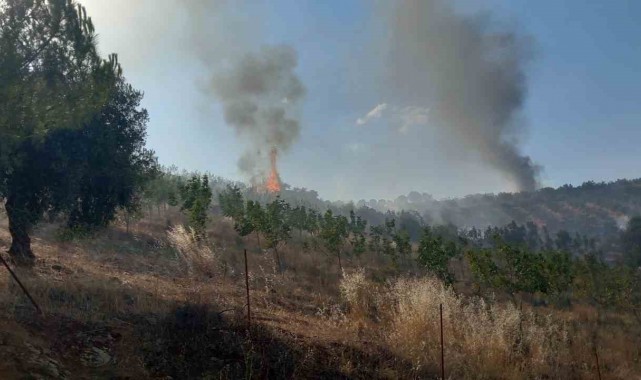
x,y
152,303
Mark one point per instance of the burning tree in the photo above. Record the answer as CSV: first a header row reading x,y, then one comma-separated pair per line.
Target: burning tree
x,y
272,184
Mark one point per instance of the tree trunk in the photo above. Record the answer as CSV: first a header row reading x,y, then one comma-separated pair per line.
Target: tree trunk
x,y
277,259
340,264
19,227
258,240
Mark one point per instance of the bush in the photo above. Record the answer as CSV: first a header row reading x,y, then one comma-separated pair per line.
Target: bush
x,y
357,293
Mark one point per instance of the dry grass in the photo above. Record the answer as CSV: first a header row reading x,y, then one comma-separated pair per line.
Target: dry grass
x,y
485,339
197,256
319,321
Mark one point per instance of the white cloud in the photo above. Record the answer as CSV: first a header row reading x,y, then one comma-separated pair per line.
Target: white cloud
x,y
355,148
405,117
412,116
375,113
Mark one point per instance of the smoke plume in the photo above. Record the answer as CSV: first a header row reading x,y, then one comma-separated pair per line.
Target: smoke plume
x,y
469,74
255,83
260,94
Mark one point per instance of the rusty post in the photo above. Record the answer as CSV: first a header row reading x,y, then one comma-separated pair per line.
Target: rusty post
x,y
598,367
15,277
249,313
442,346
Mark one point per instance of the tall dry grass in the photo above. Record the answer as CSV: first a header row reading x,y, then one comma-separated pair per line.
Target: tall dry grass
x,y
198,258
483,340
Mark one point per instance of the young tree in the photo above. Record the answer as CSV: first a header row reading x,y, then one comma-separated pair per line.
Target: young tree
x,y
276,228
254,220
196,198
607,286
357,227
435,254
403,244
333,232
163,190
376,239
516,269
298,219
51,77
231,203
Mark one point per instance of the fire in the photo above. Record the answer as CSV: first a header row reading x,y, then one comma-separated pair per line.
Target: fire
x,y
273,181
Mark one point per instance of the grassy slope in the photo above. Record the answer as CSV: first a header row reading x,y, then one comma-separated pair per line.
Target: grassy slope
x,y
115,308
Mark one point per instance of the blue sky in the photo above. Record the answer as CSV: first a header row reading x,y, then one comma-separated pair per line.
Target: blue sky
x,y
582,119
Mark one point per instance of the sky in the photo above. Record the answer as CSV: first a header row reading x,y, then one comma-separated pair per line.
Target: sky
x,y
579,120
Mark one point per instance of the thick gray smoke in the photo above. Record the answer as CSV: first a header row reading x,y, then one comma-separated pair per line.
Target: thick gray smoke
x,y
260,95
255,84
470,75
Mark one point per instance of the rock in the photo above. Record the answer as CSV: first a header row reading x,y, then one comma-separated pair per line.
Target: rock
x,y
95,357
51,368
41,365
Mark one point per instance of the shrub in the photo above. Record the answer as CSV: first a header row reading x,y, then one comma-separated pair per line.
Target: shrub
x,y
356,291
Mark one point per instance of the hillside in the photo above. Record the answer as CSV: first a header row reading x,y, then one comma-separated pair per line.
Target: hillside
x,y
150,304
593,209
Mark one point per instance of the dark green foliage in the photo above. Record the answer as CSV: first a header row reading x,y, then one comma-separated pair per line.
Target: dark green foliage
x,y
312,221
104,165
172,199
530,236
516,269
376,239
277,229
86,173
563,240
51,78
631,243
196,198
164,189
357,228
255,219
412,223
435,253
231,203
402,242
50,73
608,286
298,219
558,271
334,229
390,241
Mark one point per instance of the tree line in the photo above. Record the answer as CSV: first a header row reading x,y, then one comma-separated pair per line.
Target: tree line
x,y
506,259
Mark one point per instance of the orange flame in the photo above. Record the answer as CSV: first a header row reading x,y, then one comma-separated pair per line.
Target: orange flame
x,y
273,181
